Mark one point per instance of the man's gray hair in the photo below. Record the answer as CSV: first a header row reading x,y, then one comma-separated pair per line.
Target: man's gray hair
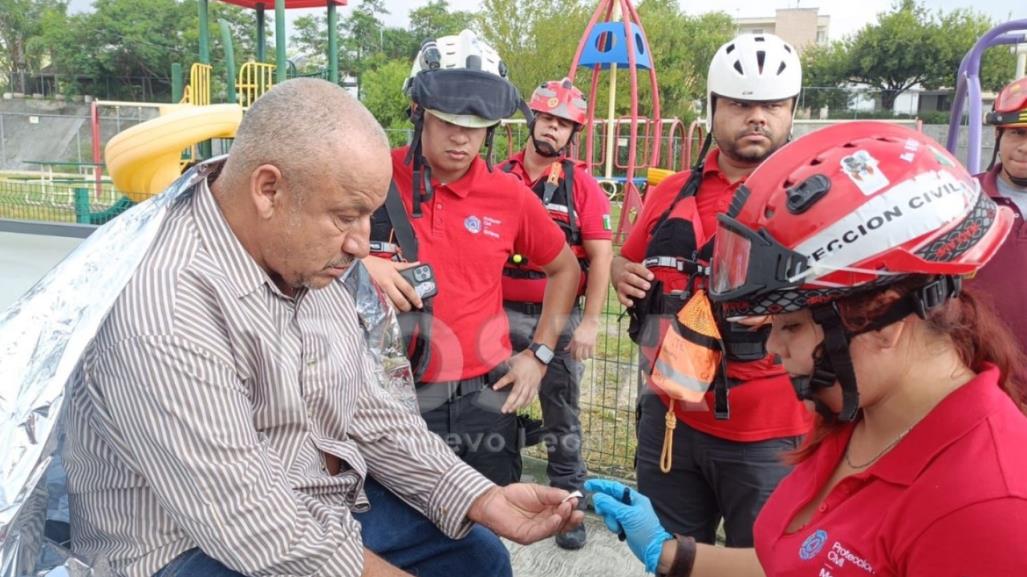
x,y
298,126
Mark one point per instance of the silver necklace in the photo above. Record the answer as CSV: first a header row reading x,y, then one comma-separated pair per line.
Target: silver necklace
x,y
888,447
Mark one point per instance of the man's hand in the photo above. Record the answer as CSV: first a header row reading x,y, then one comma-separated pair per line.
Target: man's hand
x,y
524,375
386,274
526,513
583,341
630,280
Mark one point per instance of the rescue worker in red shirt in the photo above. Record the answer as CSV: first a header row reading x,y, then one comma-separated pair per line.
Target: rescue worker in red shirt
x,y
702,467
450,211
916,465
577,204
1006,182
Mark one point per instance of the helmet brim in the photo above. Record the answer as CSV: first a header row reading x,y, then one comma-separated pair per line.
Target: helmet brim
x,y
464,120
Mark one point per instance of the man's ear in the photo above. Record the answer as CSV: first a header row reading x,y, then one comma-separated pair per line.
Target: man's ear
x,y
266,186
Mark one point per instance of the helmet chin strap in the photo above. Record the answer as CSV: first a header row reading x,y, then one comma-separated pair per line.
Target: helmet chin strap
x,y
1021,182
833,363
1018,181
422,170
556,153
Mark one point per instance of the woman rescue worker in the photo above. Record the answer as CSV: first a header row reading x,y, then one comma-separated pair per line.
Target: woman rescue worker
x,y
855,240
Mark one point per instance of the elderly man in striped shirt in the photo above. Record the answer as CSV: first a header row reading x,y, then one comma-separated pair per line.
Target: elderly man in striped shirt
x,y
226,420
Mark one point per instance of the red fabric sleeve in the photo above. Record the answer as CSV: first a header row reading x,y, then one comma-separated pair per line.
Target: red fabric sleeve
x,y
592,206
982,539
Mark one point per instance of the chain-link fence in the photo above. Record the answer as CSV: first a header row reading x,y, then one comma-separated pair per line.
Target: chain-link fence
x,y
34,135
59,197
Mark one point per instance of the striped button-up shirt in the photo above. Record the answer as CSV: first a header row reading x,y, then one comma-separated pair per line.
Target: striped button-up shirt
x,y
205,406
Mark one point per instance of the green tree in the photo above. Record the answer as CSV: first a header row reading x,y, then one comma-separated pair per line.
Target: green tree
x,y
363,35
824,77
910,46
133,42
959,30
382,94
435,19
682,47
21,51
310,38
536,38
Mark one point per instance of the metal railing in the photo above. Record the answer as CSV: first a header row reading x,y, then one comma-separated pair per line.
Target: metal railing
x,y
255,78
57,197
198,90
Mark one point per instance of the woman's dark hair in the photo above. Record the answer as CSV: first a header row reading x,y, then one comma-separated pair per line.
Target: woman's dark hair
x,y
975,329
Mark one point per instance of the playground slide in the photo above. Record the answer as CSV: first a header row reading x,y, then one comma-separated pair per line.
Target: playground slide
x,y
144,159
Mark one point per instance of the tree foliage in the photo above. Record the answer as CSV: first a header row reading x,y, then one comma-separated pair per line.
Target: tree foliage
x,y
536,38
824,77
136,41
911,45
686,45
383,96
22,51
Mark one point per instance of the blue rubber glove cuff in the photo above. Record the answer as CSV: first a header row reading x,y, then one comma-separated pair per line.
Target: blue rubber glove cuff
x,y
645,534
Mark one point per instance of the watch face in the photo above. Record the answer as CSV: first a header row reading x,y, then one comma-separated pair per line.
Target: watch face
x,y
543,353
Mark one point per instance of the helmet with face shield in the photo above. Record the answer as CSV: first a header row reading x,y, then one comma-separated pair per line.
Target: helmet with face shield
x,y
845,210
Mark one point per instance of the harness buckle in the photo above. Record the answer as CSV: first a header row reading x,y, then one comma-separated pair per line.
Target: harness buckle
x,y
935,293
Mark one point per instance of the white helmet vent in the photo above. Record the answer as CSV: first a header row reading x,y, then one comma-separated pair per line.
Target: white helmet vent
x,y
760,68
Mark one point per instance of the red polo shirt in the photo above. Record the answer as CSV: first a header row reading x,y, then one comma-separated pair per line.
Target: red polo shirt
x,y
468,230
949,499
1004,279
592,214
765,406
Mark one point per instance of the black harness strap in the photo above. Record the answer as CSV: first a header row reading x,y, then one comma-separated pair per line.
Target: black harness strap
x,y
405,237
568,189
415,325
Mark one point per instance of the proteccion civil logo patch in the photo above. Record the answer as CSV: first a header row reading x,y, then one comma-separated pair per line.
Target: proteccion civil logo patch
x,y
813,545
472,224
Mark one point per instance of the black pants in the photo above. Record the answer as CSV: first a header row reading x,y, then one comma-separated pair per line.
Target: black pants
x,y
559,394
466,414
710,478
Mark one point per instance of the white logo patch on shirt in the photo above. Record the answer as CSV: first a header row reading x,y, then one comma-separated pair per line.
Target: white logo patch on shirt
x,y
491,225
472,224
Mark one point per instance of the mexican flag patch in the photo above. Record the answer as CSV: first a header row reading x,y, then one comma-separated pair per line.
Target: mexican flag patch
x,y
606,222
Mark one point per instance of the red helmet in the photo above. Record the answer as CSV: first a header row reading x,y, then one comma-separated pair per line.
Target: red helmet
x,y
851,207
1010,106
561,99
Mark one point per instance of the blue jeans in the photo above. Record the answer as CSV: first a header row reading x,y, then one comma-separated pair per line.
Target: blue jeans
x,y
400,535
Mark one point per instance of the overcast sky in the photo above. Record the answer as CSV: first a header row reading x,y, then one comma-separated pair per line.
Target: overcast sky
x,y
847,16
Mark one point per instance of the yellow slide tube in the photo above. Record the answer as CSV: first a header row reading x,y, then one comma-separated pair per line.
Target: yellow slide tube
x,y
144,160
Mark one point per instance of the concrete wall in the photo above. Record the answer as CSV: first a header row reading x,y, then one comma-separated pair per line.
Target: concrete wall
x,y
33,130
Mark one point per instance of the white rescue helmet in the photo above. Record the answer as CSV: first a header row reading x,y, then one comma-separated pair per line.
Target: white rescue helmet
x,y
460,51
755,68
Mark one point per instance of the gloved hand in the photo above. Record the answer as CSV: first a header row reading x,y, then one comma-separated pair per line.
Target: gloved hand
x,y
638,520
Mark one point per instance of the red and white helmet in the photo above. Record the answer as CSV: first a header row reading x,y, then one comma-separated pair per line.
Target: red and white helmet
x,y
1010,108
848,208
560,98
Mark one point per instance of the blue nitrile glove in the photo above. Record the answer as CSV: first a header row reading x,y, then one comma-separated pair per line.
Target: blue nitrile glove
x,y
638,520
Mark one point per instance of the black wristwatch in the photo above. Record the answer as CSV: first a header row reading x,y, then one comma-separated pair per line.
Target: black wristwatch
x,y
543,353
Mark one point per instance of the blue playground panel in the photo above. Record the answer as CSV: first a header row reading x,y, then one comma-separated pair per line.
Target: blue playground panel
x,y
606,46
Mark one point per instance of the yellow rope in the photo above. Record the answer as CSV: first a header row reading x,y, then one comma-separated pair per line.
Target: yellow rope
x,y
666,454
